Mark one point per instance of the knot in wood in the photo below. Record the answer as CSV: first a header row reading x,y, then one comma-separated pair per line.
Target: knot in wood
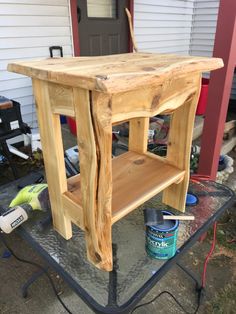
x,y
102,77
148,69
98,257
156,100
190,97
110,105
139,161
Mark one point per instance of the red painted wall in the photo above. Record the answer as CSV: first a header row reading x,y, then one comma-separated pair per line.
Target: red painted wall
x,y
75,29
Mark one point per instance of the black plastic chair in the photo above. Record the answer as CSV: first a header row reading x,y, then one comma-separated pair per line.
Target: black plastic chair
x,y
7,116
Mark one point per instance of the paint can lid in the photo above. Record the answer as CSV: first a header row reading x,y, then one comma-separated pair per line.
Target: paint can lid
x,y
191,199
166,225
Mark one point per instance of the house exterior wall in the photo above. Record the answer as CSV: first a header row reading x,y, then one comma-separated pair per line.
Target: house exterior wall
x,y
204,27
163,26
203,31
27,29
177,26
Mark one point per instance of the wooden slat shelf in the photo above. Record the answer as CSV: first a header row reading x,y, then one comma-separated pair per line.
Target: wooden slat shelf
x,y
136,178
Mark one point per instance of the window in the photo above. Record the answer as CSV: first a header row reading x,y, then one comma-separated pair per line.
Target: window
x,y
101,8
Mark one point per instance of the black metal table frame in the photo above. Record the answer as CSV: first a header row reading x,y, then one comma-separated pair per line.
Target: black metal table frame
x,y
112,307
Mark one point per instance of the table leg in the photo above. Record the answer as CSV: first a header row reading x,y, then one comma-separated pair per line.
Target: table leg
x,y
51,139
94,140
190,274
138,134
112,286
30,281
179,148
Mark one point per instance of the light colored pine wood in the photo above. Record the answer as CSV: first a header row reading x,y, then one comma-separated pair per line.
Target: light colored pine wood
x,y
72,205
163,98
179,148
160,158
88,169
74,187
176,217
138,134
136,178
61,99
94,141
131,30
100,91
50,132
101,110
115,73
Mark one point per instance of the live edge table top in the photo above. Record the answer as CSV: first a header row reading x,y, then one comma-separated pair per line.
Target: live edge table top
x,y
114,73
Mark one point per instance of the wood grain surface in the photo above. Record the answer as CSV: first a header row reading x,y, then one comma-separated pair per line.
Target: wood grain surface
x,y
179,147
135,178
98,92
114,73
51,139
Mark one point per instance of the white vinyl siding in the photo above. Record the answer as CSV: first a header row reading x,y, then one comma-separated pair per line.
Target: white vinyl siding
x,y
163,26
203,31
27,29
204,27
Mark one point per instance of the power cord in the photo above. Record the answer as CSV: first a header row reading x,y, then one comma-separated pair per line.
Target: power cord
x,y
172,296
209,255
201,290
38,266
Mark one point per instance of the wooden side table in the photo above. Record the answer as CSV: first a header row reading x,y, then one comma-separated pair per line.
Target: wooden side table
x,y
99,92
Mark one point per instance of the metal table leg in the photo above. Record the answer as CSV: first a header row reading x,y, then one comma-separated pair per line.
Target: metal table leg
x,y
191,275
30,281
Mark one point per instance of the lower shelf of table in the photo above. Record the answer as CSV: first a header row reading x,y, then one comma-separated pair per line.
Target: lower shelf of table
x,y
136,178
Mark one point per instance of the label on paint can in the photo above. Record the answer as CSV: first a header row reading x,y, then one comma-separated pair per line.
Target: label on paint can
x,y
161,239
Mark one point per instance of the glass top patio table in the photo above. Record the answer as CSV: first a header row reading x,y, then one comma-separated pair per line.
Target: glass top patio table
x,y
134,271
